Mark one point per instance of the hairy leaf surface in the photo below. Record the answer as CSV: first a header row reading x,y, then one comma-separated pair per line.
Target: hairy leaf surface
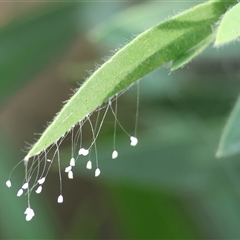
x,y
158,45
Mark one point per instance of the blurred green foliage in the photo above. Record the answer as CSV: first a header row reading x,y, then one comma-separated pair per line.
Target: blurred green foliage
x,y
171,185
30,43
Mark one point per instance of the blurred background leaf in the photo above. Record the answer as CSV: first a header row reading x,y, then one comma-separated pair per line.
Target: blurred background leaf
x,y
170,185
230,139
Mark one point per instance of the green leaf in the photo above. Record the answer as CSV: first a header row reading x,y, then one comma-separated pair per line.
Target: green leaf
x,y
230,139
229,29
192,53
151,49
